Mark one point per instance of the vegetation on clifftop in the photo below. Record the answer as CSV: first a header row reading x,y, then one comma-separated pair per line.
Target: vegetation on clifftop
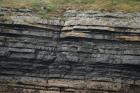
x,y
57,7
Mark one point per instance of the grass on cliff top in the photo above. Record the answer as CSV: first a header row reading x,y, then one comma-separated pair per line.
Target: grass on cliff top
x,y
57,7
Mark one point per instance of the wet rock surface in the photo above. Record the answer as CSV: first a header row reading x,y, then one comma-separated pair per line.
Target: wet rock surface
x,y
88,52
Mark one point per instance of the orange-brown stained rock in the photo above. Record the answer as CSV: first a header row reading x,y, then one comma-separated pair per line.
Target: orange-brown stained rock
x,y
128,38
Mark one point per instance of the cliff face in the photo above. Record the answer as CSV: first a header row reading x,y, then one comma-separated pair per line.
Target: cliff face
x,y
87,52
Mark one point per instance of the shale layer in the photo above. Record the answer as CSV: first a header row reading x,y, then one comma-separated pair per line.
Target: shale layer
x,y
86,52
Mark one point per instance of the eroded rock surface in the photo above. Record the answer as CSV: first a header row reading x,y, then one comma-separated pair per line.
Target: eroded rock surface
x,y
88,52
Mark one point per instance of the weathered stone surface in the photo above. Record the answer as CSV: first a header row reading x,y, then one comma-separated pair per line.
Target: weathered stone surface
x,y
91,52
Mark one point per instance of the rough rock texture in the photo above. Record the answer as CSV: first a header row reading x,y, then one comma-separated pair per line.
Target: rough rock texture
x,y
88,52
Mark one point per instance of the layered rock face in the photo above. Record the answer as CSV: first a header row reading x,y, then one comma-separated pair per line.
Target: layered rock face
x,y
88,52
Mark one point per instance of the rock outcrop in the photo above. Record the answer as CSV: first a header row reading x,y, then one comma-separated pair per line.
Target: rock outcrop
x,y
86,52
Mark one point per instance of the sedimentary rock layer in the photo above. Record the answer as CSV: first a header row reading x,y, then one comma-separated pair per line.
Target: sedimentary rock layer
x,y
88,52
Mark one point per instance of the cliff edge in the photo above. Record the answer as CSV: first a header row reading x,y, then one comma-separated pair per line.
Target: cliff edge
x,y
83,52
